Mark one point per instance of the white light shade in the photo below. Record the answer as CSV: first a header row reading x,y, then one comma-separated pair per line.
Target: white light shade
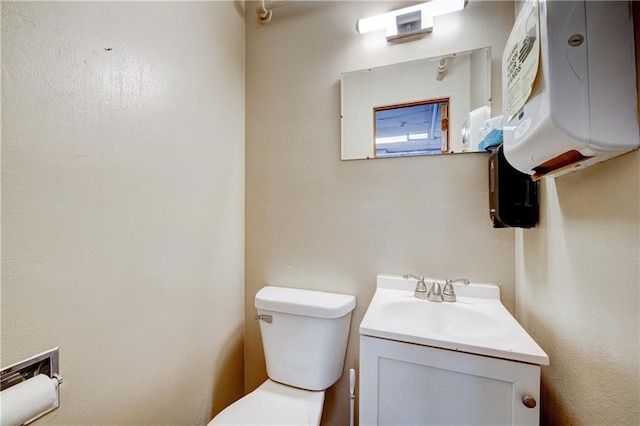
x,y
373,23
383,21
427,11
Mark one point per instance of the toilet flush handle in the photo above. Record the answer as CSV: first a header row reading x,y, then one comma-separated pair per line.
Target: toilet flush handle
x,y
265,318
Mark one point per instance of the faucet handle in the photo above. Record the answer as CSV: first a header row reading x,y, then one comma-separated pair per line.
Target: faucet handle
x,y
448,293
421,288
415,277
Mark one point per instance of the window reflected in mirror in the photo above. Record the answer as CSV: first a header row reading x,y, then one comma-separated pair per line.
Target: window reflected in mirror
x,y
417,128
392,91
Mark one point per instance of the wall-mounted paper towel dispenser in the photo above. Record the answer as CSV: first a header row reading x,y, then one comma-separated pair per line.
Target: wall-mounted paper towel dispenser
x,y
569,86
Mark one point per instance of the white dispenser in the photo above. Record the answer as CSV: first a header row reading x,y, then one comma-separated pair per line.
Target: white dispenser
x,y
569,86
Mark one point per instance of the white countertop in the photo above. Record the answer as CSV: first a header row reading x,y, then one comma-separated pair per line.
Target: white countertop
x,y
477,323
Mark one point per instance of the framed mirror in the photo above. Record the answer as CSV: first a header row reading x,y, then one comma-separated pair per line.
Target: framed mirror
x,y
423,107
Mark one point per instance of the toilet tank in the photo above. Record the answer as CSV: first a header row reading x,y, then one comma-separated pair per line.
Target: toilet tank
x,y
305,343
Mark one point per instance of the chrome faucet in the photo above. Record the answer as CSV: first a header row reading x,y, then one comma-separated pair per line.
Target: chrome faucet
x,y
434,294
448,293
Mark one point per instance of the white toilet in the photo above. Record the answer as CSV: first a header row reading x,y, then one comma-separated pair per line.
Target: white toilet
x,y
304,337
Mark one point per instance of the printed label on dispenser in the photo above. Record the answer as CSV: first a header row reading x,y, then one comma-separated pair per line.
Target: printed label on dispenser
x,y
523,58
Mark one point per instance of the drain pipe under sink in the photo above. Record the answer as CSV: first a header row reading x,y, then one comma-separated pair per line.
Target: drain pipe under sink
x,y
352,394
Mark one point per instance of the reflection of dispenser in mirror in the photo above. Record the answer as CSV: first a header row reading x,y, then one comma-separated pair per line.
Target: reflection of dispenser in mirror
x,y
513,195
471,128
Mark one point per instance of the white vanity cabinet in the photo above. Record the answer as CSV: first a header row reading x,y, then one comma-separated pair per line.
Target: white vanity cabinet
x,y
461,362
409,384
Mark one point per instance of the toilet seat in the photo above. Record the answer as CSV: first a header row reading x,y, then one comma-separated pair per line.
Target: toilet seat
x,y
274,404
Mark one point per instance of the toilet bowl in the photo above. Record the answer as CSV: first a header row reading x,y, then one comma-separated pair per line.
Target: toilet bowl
x,y
304,337
274,404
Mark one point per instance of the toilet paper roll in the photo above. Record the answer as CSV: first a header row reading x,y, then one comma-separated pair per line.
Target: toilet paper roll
x,y
27,400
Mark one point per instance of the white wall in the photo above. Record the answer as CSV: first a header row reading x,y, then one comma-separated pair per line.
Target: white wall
x,y
313,221
122,213
578,293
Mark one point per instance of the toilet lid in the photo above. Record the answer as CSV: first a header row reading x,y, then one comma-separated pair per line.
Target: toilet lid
x,y
274,404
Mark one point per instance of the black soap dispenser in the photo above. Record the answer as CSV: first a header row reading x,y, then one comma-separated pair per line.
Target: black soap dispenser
x,y
513,195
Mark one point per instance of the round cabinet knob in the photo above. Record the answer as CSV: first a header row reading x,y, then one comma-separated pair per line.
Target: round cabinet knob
x,y
529,401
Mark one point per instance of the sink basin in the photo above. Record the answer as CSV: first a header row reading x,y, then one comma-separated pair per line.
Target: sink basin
x,y
477,323
458,319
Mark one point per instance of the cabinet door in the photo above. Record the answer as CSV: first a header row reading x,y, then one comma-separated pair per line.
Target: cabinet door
x,y
406,384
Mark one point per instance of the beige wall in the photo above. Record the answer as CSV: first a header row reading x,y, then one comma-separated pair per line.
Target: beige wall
x,y
122,212
313,221
578,284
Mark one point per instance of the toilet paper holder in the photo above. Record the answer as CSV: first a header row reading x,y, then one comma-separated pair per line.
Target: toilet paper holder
x,y
44,363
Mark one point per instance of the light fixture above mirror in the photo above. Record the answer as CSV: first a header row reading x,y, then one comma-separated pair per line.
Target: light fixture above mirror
x,y
409,21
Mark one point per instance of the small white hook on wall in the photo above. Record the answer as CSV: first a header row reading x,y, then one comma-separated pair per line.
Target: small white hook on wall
x,y
441,68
